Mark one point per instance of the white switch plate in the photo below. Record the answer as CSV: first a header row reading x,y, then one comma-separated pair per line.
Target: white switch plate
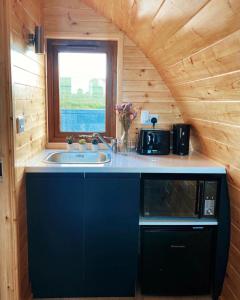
x,y
144,116
20,124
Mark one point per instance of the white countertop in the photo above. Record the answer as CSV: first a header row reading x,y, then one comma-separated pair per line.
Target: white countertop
x,y
131,163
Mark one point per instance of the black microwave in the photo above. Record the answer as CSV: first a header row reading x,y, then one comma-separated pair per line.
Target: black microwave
x,y
179,196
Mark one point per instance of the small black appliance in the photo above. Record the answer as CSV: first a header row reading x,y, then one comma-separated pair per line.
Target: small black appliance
x,y
181,136
154,141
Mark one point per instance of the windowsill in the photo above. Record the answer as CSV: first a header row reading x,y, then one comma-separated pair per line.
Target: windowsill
x,y
64,146
56,146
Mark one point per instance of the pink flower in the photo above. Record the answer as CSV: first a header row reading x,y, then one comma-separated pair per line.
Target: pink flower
x,y
118,107
126,113
134,114
128,106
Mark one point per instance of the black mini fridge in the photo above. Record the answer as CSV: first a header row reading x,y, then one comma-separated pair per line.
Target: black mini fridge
x,y
176,260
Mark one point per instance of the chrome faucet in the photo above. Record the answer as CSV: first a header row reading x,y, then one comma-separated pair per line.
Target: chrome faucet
x,y
112,147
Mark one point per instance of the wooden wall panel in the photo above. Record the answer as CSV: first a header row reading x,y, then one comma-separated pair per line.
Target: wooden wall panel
x,y
195,46
8,228
140,81
219,58
28,89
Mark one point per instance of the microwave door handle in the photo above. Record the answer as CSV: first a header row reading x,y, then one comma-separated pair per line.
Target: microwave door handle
x,y
199,198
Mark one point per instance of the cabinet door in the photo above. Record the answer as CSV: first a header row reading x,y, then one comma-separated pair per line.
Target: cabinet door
x,y
55,232
176,261
111,234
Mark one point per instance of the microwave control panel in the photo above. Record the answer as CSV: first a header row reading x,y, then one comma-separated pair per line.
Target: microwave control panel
x,y
210,198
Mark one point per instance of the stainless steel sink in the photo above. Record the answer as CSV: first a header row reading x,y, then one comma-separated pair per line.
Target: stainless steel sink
x,y
76,157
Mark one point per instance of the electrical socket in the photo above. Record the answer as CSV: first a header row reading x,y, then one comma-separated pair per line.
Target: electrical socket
x,y
152,116
146,117
148,120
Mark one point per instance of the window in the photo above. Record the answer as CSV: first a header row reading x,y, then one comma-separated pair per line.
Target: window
x,y
81,87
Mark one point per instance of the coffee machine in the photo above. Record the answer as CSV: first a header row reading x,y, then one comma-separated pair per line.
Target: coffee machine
x,y
180,139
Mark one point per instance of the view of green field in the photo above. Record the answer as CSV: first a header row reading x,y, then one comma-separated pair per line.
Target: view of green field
x,y
81,104
93,99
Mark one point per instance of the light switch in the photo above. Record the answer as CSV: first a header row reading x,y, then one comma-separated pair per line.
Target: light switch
x,y
20,124
144,116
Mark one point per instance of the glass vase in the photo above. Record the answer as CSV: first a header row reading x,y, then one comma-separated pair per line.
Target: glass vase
x,y
124,141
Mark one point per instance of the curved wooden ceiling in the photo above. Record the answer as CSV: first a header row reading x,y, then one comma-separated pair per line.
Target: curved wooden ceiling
x,y
195,45
170,30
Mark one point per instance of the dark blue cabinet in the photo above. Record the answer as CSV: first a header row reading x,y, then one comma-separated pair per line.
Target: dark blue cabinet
x,y
83,234
111,216
55,234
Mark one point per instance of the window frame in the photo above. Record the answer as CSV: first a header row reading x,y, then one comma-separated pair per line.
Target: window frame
x,y
54,46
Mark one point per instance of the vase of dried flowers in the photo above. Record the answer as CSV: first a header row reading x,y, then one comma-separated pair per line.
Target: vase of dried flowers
x,y
126,115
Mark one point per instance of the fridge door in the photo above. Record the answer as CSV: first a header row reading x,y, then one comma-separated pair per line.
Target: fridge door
x,y
176,260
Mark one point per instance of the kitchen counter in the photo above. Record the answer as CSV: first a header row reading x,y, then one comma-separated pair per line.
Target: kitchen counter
x,y
131,163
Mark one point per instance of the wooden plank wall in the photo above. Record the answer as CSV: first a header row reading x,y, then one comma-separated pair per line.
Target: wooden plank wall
x,y
28,88
195,45
140,83
8,235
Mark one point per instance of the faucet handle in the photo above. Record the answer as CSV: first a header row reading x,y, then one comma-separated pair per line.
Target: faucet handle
x,y
113,141
114,145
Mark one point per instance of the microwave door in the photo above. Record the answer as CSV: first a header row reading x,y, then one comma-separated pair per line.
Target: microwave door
x,y
171,198
187,194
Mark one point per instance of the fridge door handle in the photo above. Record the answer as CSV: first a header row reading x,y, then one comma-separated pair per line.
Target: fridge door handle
x,y
178,246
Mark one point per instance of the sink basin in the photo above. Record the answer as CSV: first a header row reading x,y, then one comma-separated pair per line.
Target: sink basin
x,y
78,158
